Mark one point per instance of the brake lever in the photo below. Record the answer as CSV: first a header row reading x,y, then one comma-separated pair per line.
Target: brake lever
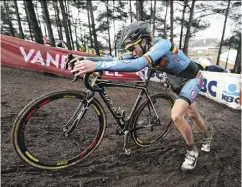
x,y
71,64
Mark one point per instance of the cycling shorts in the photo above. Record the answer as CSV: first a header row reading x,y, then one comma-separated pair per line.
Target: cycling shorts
x,y
191,89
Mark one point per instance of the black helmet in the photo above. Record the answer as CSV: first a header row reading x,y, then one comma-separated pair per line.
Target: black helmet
x,y
134,32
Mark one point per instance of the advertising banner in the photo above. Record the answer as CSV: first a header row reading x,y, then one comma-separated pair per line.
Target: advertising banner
x,y
222,87
29,55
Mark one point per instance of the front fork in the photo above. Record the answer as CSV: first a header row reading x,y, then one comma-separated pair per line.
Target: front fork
x,y
78,114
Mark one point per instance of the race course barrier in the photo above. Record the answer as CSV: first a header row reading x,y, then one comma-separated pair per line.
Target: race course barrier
x,y
19,53
221,87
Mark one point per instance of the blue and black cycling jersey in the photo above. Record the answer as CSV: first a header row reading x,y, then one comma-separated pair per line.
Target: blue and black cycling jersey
x,y
164,55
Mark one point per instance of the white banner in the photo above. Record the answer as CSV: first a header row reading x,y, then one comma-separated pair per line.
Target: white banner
x,y
222,87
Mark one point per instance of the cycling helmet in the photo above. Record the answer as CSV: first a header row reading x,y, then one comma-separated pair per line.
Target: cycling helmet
x,y
134,32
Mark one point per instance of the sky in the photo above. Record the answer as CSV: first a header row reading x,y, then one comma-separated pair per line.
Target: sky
x,y
216,27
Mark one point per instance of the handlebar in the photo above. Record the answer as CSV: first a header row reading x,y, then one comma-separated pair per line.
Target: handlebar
x,y
92,87
71,63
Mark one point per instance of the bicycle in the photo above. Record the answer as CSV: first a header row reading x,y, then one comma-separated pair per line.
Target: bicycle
x,y
86,125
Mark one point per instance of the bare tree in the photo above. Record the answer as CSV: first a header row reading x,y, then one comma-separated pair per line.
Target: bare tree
x,y
165,32
11,29
108,23
33,22
188,34
130,11
89,3
65,22
171,20
182,23
19,20
89,25
139,10
69,23
47,20
237,65
222,39
27,18
57,18
154,17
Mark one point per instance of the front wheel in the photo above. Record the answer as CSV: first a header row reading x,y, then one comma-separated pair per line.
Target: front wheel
x,y
150,123
39,130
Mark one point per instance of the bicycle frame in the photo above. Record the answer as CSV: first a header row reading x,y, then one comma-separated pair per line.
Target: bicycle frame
x,y
121,120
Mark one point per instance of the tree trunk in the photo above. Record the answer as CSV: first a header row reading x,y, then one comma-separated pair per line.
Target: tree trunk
x,y
222,39
171,20
188,34
93,28
58,21
89,24
154,18
182,22
237,65
80,26
114,31
69,23
139,10
37,16
151,11
11,29
65,22
19,20
77,44
109,39
165,35
33,22
47,20
27,17
130,11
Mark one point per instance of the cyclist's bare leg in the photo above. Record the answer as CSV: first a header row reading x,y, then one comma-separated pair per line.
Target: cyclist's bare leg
x,y
205,129
195,116
178,112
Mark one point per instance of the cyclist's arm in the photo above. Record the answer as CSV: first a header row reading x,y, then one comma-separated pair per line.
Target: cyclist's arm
x,y
155,53
109,58
95,59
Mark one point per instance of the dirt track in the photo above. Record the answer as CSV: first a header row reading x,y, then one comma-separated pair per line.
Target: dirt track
x,y
156,166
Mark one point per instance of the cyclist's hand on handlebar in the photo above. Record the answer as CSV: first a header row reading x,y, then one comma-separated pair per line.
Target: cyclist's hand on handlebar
x,y
83,66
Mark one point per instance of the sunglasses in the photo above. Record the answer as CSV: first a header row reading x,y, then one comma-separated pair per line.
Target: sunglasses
x,y
131,47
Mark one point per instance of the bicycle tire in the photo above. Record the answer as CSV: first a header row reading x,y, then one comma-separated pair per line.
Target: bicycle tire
x,y
159,130
23,142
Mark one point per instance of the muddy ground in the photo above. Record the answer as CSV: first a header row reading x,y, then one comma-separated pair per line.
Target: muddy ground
x,y
108,166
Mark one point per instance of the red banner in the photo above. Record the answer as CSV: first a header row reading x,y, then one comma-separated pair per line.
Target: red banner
x,y
19,53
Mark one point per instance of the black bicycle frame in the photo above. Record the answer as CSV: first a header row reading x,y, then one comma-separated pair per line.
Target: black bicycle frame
x,y
142,85
123,123
120,120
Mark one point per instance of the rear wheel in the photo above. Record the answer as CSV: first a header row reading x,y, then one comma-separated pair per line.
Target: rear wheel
x,y
38,133
151,125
